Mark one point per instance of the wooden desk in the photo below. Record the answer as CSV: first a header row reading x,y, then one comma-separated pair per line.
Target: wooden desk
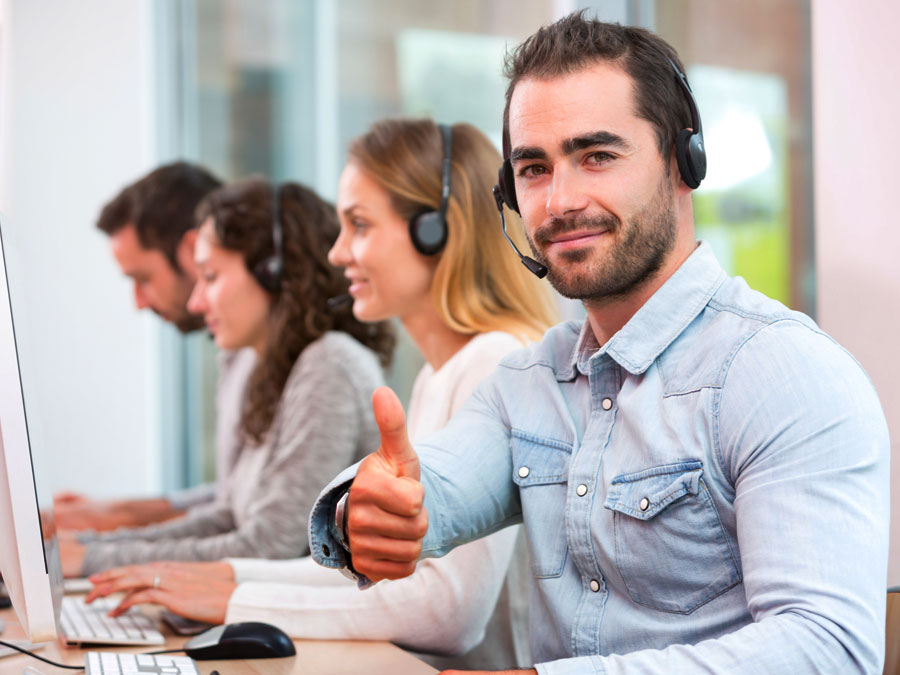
x,y
314,657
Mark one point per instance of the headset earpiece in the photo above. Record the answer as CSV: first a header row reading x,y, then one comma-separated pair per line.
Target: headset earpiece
x,y
269,271
268,274
428,232
689,150
683,156
506,181
428,229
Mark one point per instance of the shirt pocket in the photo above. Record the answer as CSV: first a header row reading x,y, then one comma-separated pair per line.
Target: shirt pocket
x,y
671,548
541,469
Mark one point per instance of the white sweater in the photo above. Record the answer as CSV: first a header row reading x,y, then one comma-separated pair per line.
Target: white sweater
x,y
446,606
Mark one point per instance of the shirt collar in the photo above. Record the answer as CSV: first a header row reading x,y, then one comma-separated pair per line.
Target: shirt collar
x,y
658,322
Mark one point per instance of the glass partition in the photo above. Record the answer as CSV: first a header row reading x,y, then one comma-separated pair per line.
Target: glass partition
x,y
280,87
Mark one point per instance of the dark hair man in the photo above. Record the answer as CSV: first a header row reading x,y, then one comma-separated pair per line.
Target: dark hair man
x,y
151,231
702,473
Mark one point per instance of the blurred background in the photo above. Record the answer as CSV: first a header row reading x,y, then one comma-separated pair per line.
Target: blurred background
x,y
96,93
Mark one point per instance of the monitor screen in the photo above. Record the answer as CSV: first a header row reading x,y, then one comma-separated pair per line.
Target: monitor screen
x,y
29,559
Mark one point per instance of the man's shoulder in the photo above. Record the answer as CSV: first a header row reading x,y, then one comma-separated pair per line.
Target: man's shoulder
x,y
736,319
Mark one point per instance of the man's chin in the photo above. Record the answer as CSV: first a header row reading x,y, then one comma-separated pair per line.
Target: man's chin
x,y
189,323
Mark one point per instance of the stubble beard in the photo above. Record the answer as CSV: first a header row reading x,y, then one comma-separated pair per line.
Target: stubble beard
x,y
188,323
635,257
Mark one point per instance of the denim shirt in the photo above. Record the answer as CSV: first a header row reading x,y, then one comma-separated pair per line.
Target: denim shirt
x,y
706,492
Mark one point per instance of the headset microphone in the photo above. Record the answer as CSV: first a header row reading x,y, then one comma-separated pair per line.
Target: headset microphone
x,y
339,301
536,268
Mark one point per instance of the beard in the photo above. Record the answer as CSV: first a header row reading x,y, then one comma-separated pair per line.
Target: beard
x,y
639,248
188,323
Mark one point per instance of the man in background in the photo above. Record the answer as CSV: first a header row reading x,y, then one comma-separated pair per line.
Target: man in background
x,y
152,232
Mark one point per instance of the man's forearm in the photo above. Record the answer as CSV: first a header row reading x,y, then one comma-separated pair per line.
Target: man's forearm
x,y
140,512
103,516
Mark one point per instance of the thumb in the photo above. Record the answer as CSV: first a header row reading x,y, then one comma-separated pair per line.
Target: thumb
x,y
395,450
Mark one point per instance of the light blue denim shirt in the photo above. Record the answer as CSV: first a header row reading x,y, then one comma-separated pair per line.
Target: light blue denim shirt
x,y
705,493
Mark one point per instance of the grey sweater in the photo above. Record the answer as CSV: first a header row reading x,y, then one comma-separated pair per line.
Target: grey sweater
x,y
324,423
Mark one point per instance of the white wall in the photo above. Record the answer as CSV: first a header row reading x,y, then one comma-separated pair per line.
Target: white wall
x,y
77,125
857,143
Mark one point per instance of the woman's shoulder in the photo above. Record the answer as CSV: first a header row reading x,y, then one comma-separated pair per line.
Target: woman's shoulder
x,y
339,343
336,351
489,348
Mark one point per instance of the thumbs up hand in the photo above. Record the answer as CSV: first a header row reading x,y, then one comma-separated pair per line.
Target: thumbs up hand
x,y
386,517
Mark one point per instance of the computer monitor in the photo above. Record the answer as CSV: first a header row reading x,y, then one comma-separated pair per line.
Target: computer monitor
x,y
29,558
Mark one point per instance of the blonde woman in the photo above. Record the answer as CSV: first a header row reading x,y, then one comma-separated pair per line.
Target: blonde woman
x,y
466,301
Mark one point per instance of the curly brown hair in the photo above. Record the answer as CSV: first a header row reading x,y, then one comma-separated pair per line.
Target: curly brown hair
x,y
242,219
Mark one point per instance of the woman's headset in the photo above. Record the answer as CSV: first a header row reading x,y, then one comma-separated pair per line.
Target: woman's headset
x,y
270,270
428,229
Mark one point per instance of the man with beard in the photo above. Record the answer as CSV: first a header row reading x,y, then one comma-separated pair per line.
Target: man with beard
x,y
151,230
702,473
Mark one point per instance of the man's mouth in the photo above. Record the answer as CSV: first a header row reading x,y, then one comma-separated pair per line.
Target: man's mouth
x,y
569,240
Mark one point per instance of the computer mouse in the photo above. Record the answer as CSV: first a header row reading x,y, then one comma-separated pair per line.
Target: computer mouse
x,y
246,640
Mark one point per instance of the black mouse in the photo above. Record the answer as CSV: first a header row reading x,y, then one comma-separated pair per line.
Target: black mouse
x,y
247,640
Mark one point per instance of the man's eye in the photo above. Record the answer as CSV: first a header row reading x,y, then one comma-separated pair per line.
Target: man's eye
x,y
600,157
209,277
532,170
357,224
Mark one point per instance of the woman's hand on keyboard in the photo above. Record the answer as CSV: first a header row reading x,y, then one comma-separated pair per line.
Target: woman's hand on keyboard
x,y
198,591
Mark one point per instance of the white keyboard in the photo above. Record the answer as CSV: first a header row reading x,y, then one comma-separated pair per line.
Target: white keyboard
x,y
89,623
112,663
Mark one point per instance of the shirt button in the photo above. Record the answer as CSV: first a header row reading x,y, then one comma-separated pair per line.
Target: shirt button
x,y
645,504
581,490
606,403
595,585
524,471
325,551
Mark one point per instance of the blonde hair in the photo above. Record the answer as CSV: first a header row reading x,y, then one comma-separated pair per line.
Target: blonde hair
x,y
479,283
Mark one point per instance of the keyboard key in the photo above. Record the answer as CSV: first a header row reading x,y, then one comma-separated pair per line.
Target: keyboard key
x,y
90,623
112,663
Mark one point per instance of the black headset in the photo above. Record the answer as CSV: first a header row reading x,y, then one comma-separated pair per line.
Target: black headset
x,y
689,153
689,150
428,229
270,270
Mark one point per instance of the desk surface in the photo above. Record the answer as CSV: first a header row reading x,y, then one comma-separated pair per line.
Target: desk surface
x,y
314,657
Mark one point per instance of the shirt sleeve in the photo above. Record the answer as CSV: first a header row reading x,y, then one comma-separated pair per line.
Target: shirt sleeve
x,y
442,608
467,474
317,434
182,500
803,440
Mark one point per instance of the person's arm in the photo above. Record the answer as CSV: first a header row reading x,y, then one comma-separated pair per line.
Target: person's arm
x,y
79,512
392,519
441,609
316,434
188,498
804,442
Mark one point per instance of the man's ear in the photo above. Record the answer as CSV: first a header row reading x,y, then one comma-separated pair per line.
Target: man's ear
x,y
185,251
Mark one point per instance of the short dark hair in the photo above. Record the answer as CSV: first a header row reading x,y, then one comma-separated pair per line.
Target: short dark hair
x,y
575,42
160,206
